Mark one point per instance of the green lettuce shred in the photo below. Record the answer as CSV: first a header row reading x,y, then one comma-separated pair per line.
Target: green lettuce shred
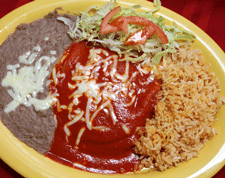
x,y
88,25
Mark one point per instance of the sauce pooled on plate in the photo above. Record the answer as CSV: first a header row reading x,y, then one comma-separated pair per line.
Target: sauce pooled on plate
x,y
100,103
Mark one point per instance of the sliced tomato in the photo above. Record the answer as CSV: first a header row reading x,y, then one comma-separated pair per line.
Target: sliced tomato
x,y
140,36
121,24
161,35
105,27
132,20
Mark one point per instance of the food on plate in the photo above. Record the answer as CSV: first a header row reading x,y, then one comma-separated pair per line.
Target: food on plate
x,y
42,40
100,102
184,116
128,92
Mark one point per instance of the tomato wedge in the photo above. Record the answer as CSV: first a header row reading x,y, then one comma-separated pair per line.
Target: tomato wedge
x,y
105,27
121,24
140,36
131,20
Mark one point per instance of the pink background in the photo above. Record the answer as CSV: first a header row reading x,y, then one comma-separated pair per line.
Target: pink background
x,y
209,15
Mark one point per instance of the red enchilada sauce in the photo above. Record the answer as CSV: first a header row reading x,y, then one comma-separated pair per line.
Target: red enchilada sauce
x,y
100,103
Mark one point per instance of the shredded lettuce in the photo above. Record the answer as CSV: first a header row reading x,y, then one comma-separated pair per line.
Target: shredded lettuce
x,y
157,4
88,25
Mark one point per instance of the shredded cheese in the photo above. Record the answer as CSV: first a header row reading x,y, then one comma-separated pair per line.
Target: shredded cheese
x,y
99,95
27,81
126,129
79,135
125,76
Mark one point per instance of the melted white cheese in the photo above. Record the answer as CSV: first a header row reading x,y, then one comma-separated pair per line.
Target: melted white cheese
x,y
99,95
26,82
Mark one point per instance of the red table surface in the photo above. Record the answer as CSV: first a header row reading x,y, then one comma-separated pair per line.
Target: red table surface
x,y
209,15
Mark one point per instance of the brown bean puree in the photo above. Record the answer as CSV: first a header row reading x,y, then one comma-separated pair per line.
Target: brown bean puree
x,y
36,129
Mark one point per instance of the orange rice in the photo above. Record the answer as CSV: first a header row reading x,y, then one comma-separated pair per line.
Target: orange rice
x,y
184,116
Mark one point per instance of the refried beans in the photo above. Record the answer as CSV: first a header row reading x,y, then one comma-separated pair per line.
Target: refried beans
x,y
36,129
